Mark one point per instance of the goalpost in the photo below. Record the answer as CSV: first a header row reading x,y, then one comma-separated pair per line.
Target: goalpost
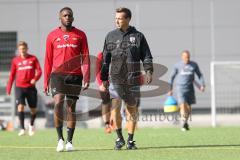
x,y
225,90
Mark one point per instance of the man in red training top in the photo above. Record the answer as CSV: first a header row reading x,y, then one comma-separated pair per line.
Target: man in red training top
x,y
27,71
104,94
67,64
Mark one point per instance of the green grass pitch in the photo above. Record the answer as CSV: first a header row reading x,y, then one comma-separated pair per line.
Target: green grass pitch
x,y
161,143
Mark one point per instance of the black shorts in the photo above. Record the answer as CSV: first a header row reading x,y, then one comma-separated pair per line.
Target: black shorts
x,y
26,93
70,85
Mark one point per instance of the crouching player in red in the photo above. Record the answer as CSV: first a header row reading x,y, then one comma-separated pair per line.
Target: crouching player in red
x,y
27,71
105,96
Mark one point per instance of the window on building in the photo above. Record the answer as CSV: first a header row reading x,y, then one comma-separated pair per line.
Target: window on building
x,y
8,43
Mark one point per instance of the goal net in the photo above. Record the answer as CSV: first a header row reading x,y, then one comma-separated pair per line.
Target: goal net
x,y
225,93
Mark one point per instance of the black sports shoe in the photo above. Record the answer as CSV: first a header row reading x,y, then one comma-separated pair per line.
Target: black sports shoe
x,y
185,127
119,144
131,145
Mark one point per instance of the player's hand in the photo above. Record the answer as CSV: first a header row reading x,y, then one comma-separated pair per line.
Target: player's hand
x,y
170,93
102,88
46,91
202,88
85,85
33,81
149,77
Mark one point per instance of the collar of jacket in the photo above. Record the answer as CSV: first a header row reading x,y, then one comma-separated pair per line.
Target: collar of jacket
x,y
130,29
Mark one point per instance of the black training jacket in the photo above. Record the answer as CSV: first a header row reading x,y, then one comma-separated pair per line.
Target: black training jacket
x,y
122,54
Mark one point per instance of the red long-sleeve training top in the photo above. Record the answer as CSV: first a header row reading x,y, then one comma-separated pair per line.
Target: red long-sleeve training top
x,y
66,53
99,61
24,70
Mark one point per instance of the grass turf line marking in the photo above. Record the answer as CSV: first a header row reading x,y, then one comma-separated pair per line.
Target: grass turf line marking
x,y
184,148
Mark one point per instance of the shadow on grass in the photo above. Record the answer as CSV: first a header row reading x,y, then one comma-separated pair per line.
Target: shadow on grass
x,y
192,146
162,147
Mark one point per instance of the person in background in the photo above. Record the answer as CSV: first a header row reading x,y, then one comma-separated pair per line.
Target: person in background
x,y
26,71
185,71
105,96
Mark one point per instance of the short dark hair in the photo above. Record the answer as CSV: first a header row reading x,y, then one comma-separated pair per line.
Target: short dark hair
x,y
23,43
186,51
127,12
66,8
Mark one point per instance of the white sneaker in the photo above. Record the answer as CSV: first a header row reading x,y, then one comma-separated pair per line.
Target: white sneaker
x,y
21,132
31,130
60,146
183,129
69,147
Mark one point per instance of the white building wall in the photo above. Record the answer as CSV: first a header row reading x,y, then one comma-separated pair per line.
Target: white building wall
x,y
170,26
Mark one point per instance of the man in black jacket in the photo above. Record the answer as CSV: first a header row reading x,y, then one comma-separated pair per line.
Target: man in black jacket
x,y
124,48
